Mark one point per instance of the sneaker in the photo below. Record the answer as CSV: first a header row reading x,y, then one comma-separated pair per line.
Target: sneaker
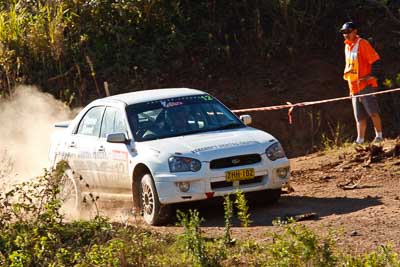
x,y
377,140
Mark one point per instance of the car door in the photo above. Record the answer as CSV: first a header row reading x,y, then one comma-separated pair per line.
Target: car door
x,y
112,158
82,145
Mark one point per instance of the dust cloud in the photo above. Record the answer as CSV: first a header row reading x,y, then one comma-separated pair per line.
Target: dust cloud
x,y
26,121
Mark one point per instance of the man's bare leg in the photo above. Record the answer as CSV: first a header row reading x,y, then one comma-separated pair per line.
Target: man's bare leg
x,y
376,119
361,128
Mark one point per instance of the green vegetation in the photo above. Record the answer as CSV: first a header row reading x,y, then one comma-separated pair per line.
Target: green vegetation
x,y
192,238
228,214
394,82
70,47
335,138
243,209
200,251
34,233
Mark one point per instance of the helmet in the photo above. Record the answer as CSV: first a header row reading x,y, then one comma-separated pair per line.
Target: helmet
x,y
348,26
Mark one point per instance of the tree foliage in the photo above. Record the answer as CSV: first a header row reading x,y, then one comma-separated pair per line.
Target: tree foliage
x,y
70,47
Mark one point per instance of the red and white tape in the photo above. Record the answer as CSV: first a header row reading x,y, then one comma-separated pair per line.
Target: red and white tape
x,y
290,106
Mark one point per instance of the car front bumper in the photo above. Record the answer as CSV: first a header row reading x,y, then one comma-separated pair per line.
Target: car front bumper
x,y
212,183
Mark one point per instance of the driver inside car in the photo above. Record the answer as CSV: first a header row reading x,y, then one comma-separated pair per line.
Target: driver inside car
x,y
178,120
170,121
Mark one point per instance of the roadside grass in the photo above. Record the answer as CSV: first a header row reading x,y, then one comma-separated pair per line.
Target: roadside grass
x,y
335,137
34,233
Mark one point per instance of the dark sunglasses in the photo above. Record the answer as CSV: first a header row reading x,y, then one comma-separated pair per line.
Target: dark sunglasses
x,y
347,31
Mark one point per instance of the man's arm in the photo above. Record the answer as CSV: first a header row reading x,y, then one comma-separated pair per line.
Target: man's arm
x,y
372,57
376,69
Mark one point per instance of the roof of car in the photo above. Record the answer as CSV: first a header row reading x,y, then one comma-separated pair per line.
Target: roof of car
x,y
154,94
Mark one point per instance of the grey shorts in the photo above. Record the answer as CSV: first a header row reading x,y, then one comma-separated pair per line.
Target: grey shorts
x,y
365,106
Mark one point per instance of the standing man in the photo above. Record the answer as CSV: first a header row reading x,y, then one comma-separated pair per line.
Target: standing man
x,y
361,72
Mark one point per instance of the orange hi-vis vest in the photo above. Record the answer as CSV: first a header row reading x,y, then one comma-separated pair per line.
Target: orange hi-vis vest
x,y
351,69
359,57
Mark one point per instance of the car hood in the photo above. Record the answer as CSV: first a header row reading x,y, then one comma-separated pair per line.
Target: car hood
x,y
216,144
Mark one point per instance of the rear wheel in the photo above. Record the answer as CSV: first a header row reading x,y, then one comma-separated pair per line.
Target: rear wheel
x,y
154,212
70,194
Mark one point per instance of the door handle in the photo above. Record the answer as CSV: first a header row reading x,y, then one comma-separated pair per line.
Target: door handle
x,y
72,144
101,149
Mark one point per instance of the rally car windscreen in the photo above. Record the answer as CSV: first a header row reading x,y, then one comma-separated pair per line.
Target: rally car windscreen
x,y
179,116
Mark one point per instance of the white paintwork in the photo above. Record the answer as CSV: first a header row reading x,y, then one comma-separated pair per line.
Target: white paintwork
x,y
151,95
112,170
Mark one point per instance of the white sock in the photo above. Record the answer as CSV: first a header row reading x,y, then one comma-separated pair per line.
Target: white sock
x,y
378,134
360,140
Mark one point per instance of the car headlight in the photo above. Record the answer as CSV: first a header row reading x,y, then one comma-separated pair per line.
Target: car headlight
x,y
275,151
182,164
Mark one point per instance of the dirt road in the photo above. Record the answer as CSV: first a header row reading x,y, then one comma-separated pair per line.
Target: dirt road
x,y
353,193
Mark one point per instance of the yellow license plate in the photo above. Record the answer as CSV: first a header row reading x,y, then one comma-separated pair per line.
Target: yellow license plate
x,y
237,175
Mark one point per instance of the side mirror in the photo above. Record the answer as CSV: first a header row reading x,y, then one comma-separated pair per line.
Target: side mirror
x,y
117,138
246,119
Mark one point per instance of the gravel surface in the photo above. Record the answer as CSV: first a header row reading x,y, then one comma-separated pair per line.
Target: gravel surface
x,y
352,192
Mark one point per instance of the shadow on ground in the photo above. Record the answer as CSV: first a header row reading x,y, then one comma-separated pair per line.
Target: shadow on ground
x,y
263,215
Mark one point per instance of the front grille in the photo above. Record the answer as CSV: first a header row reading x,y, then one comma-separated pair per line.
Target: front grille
x,y
235,161
223,184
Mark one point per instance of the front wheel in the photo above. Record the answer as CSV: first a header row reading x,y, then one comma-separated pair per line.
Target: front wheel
x,y
154,212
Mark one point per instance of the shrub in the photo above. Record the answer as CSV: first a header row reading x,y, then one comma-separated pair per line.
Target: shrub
x,y
383,256
191,237
243,209
299,246
228,213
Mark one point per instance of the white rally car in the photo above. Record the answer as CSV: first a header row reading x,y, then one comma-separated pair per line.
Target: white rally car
x,y
166,146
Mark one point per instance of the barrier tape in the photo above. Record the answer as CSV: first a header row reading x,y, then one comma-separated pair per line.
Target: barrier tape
x,y
291,106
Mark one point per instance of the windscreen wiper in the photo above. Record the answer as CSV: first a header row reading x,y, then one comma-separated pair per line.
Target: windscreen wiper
x,y
229,126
